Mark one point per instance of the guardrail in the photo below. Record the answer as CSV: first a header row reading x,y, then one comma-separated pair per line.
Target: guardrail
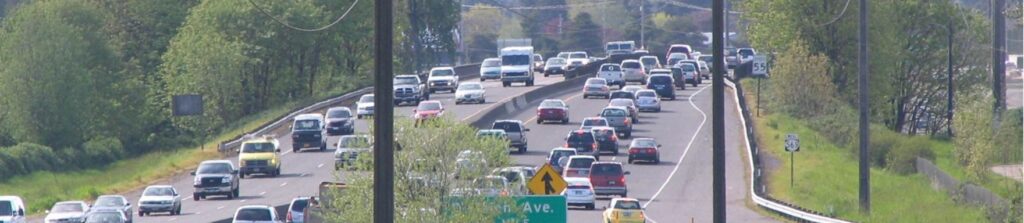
x,y
758,196
529,99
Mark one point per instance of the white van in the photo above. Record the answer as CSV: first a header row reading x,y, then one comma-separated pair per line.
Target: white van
x,y
517,65
12,209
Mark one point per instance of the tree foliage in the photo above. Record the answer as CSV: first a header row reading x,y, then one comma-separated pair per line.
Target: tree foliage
x,y
581,34
799,85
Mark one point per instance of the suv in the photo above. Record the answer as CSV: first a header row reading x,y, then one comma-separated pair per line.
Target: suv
x,y
215,177
679,76
618,118
259,156
256,214
607,139
349,148
308,132
443,78
633,71
515,131
662,84
650,63
578,166
608,178
584,143
409,88
612,74
340,121
696,70
297,210
12,209
558,156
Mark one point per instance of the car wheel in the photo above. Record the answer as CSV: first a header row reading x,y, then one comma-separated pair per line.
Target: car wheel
x,y
565,120
529,83
629,161
657,160
195,197
323,146
622,85
545,75
672,98
431,91
615,152
505,83
452,91
539,121
458,102
694,84
141,214
590,207
295,150
522,149
627,134
231,195
483,100
237,191
482,79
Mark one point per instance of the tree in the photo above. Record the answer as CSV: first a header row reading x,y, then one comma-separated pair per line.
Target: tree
x,y
542,25
581,34
483,46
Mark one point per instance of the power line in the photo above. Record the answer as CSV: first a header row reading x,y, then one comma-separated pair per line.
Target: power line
x,y
841,15
546,7
336,21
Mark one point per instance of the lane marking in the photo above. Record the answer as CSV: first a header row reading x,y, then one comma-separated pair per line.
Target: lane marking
x,y
285,183
704,119
172,219
241,201
321,165
262,193
221,207
186,198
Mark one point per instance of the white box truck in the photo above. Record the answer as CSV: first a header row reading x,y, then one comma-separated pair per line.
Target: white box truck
x,y
517,65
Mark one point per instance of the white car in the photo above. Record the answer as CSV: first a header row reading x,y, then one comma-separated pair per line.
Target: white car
x,y
579,192
591,122
470,92
348,148
633,71
579,56
490,68
160,198
12,209
578,166
648,100
704,69
67,211
612,74
364,107
442,78
256,214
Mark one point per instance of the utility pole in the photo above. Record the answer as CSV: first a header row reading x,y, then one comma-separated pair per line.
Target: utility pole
x,y
718,112
949,80
383,117
998,59
862,94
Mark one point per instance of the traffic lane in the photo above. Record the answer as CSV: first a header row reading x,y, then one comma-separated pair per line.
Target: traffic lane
x,y
302,172
676,120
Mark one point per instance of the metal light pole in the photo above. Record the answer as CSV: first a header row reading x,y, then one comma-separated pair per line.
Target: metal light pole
x,y
862,84
998,57
383,117
718,112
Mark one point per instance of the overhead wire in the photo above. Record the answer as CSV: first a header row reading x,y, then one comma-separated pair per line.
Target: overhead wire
x,y
841,15
290,26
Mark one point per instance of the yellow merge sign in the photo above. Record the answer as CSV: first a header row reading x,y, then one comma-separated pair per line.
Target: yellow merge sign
x,y
546,182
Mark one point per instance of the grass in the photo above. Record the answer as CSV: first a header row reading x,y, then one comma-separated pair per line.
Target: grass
x,y
1003,186
43,188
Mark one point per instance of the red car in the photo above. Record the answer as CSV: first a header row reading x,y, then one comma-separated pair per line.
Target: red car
x,y
553,110
608,178
679,48
645,149
427,110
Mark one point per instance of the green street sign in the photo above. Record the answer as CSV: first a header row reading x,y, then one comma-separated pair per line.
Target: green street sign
x,y
536,208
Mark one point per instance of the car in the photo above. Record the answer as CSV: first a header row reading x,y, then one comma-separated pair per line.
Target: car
x,y
622,94
340,121
516,132
297,210
680,77
607,139
618,118
570,67
491,186
538,61
578,166
470,92
674,58
631,89
663,85
745,54
596,87
114,203
468,161
552,110
612,74
591,122
517,178
679,48
648,100
634,113
624,210
578,56
349,148
496,133
555,66
696,69
442,78
215,177
364,107
558,157
705,71
409,88
579,192
259,155
427,110
490,69
256,214
650,63
608,178
709,60
633,71
645,149
583,142
160,198
563,55
308,131
106,216
12,209
67,211
619,48
689,73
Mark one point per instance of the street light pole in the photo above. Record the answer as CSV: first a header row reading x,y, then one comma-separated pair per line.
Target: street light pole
x,y
717,112
383,117
949,79
862,94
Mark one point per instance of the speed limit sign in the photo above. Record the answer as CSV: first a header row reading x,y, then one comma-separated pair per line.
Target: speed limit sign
x,y
760,66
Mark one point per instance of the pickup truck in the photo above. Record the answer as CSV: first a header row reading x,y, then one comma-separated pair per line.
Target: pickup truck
x,y
409,88
515,131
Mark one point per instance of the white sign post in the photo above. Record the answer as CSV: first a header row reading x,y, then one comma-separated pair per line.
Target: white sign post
x,y
760,66
792,146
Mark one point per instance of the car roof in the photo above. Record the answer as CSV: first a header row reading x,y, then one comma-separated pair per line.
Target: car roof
x,y
442,68
407,76
649,56
615,107
338,108
509,120
563,148
610,64
581,157
431,101
602,128
309,116
213,161
624,199
630,60
607,162
72,202
491,130
660,70
493,59
577,181
591,118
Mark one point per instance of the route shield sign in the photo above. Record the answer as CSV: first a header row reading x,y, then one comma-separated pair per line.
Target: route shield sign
x,y
546,182
792,143
759,66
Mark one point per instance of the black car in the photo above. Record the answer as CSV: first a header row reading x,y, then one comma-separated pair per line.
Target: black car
x,y
677,74
340,121
607,140
662,84
584,143
308,132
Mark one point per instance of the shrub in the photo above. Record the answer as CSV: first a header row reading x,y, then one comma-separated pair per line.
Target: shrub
x,y
882,142
103,150
901,158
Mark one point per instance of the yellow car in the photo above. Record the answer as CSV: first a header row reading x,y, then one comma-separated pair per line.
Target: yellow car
x,y
623,210
259,156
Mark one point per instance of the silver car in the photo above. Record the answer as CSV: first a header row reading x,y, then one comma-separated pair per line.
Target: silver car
x,y
364,107
297,210
490,69
348,149
256,214
113,202
67,211
160,198
633,71
648,100
470,92
579,192
596,87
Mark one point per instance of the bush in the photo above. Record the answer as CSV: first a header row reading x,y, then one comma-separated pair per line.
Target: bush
x,y
882,142
901,158
25,158
103,150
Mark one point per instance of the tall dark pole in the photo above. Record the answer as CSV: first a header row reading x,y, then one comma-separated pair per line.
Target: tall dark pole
x,y
383,117
717,112
949,80
998,57
862,93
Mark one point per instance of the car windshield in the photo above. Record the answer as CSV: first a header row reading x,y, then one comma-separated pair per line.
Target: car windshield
x,y
109,201
578,55
688,67
104,217
679,49
491,134
707,59
610,68
405,81
307,124
556,62
354,142
441,73
491,63
621,94
6,208
596,82
603,133
339,113
66,207
746,52
470,87
563,55
537,58
262,147
623,103
581,162
510,60
580,139
631,65
578,187
648,61
158,191
595,122
606,169
214,168
613,113
645,143
552,104
507,126
646,94
628,205
429,106
300,204
661,79
366,99
556,155
253,214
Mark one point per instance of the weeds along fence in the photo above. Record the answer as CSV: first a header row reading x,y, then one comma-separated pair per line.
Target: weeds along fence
x,y
997,208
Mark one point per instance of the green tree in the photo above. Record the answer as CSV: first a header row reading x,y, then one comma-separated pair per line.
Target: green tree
x,y
581,34
542,25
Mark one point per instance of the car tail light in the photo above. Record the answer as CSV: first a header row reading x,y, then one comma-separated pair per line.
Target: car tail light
x,y
650,150
634,151
566,145
593,146
289,218
615,138
622,180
